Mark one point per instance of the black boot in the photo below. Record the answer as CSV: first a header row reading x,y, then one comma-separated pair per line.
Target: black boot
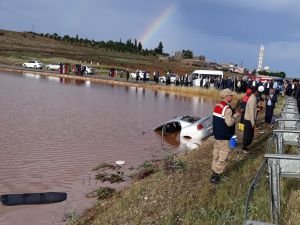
x,y
215,178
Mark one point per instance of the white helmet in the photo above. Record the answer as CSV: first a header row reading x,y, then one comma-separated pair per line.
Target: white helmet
x,y
261,88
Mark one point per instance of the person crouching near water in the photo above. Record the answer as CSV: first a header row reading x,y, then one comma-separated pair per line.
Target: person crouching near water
x,y
223,129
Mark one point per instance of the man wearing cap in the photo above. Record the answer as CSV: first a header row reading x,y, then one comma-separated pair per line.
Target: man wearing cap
x,y
249,120
223,130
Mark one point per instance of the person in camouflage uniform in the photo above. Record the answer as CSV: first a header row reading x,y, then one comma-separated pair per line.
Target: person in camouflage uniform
x,y
223,129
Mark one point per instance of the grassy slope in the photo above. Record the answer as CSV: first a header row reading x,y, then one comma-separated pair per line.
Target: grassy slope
x,y
17,47
187,197
182,197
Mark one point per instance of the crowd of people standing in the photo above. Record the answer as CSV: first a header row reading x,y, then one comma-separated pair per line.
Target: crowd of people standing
x,y
225,118
238,84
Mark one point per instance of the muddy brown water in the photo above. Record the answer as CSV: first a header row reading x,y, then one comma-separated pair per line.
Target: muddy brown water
x,y
54,131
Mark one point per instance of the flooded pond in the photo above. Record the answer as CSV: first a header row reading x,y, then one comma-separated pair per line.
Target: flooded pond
x,y
54,131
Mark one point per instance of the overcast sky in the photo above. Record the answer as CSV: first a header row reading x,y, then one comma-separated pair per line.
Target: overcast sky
x,y
223,30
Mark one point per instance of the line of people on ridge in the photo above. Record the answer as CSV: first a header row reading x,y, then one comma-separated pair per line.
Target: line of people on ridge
x,y
225,117
238,84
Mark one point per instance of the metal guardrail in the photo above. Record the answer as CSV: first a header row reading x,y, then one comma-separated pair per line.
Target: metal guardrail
x,y
289,115
290,110
279,165
251,222
291,101
286,137
290,106
260,172
288,124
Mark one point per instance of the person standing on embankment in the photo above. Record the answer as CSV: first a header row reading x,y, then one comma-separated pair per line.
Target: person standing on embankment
x,y
271,100
223,130
249,120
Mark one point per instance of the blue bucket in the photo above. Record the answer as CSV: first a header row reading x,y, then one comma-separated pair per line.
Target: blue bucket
x,y
233,142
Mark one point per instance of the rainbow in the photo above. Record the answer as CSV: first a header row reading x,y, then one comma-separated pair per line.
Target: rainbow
x,y
156,24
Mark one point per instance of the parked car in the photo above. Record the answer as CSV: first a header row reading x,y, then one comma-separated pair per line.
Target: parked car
x,y
141,75
54,66
163,79
88,70
33,64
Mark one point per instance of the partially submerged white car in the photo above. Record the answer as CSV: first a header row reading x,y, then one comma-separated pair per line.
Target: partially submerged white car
x,y
192,129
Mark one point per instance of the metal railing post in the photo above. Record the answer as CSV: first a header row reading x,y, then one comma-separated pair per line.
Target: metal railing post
x,y
274,182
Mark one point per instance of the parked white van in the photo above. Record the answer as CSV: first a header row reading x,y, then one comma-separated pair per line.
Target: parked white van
x,y
198,74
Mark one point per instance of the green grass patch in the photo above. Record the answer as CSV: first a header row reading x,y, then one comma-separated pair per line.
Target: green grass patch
x,y
106,166
101,193
111,177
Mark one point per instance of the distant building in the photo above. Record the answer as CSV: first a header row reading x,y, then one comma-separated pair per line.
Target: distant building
x,y
194,62
234,68
202,58
267,69
239,70
163,58
178,55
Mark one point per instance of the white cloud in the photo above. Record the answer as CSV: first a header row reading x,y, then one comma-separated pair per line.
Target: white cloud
x,y
268,5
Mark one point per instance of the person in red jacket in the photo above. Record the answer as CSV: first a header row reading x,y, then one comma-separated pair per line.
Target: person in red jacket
x,y
244,103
